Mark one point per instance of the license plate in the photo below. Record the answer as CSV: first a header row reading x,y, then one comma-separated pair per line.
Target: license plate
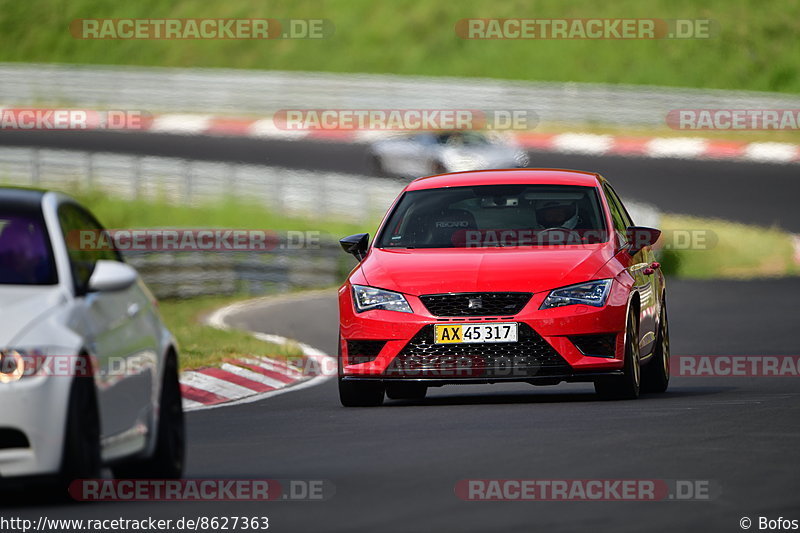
x,y
475,333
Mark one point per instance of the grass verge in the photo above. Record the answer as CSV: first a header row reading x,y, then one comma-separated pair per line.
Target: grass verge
x,y
201,345
755,45
728,250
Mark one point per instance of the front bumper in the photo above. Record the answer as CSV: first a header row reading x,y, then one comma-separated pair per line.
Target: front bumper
x,y
547,351
33,407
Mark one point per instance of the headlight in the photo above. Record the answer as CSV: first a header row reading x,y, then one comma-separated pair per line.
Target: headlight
x,y
17,364
590,293
12,366
369,298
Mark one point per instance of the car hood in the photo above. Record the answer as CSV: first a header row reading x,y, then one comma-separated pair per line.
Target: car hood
x,y
524,269
21,306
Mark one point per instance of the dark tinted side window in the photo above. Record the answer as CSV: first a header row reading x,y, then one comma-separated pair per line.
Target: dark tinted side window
x,y
87,242
26,257
626,217
618,214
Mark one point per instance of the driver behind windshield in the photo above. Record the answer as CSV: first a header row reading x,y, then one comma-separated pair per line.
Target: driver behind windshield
x,y
557,214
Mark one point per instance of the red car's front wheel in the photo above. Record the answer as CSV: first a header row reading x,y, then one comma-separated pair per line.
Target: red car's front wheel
x,y
626,386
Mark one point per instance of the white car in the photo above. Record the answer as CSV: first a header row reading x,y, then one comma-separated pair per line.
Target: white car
x,y
428,153
88,372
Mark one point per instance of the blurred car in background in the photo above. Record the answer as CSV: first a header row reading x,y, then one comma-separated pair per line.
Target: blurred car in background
x,y
88,372
440,152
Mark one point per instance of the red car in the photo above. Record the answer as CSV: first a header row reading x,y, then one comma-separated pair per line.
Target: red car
x,y
536,276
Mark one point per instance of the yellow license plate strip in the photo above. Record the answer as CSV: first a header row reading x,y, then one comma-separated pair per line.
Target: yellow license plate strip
x,y
476,333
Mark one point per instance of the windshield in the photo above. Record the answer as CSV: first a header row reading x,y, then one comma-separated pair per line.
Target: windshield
x,y
25,254
495,215
457,138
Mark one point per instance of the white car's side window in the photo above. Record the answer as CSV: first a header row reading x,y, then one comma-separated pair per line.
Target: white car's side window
x,y
74,222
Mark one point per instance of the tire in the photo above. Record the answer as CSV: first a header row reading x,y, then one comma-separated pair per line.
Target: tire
x,y
406,391
360,393
626,386
655,375
81,456
167,460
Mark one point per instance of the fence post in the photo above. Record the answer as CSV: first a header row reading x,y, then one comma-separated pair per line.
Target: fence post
x,y
280,190
89,170
232,180
137,176
188,181
35,170
324,199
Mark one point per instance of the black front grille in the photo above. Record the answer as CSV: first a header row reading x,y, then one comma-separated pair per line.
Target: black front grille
x,y
596,345
530,356
476,303
13,438
363,351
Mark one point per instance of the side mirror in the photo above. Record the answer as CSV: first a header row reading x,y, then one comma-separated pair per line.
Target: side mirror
x,y
356,245
641,236
111,276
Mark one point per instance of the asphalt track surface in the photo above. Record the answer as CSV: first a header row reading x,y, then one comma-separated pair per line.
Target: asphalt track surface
x,y
748,192
395,467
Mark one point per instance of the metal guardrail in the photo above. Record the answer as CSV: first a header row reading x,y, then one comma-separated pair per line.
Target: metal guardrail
x,y
264,92
323,195
189,274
